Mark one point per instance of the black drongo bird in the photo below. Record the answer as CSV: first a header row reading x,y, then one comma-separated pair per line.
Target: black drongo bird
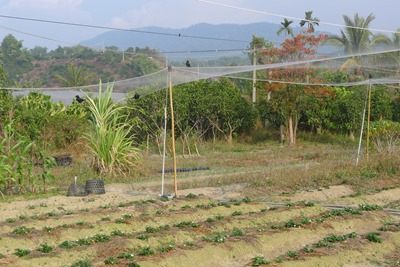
x,y
79,99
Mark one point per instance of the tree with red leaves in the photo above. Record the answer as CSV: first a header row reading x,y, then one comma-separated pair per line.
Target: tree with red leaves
x,y
287,95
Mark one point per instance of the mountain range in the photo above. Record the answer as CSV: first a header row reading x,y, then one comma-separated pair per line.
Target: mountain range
x,y
197,38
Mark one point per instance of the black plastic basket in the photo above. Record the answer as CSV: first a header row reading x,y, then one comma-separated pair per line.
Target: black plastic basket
x,y
76,190
63,160
95,187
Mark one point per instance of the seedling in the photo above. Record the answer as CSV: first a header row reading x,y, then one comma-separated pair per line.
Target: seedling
x,y
308,249
210,220
11,220
246,200
44,248
21,252
125,255
22,230
290,224
334,238
164,227
237,232
217,237
82,263
259,260
22,217
291,253
143,237
367,207
145,251
186,207
306,221
120,220
159,212
81,223
110,261
237,213
374,237
166,248
118,233
187,224
190,195
127,216
309,204
48,229
133,264
68,244
188,244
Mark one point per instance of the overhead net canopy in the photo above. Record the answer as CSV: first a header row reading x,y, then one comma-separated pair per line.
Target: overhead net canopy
x,y
380,67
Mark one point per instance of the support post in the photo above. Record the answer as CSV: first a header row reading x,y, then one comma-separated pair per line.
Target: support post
x,y
172,129
369,116
254,76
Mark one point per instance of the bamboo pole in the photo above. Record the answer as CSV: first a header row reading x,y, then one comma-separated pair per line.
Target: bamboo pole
x,y
369,118
172,129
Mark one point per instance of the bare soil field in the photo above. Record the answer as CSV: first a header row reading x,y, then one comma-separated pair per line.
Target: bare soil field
x,y
204,227
242,216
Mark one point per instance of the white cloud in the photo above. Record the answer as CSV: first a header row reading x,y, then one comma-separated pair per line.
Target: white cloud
x,y
45,4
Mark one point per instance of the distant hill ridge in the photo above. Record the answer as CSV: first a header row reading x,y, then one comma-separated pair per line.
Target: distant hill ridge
x,y
165,42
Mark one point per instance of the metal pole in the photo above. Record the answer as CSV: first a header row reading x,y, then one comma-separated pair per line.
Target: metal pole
x,y
172,129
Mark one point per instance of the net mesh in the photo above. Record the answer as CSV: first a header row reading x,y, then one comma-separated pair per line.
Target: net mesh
x,y
375,67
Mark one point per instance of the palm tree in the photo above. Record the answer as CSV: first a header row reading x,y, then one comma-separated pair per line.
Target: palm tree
x,y
310,21
74,76
286,27
356,39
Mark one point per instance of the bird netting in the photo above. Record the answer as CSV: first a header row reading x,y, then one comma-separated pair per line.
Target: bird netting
x,y
376,67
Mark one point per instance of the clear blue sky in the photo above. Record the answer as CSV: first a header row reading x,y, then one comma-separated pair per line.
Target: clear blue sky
x,y
131,14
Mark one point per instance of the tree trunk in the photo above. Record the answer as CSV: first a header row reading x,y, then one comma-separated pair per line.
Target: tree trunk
x,y
291,130
351,135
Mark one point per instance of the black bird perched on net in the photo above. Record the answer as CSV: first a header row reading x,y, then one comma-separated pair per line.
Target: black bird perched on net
x,y
188,64
136,96
79,99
